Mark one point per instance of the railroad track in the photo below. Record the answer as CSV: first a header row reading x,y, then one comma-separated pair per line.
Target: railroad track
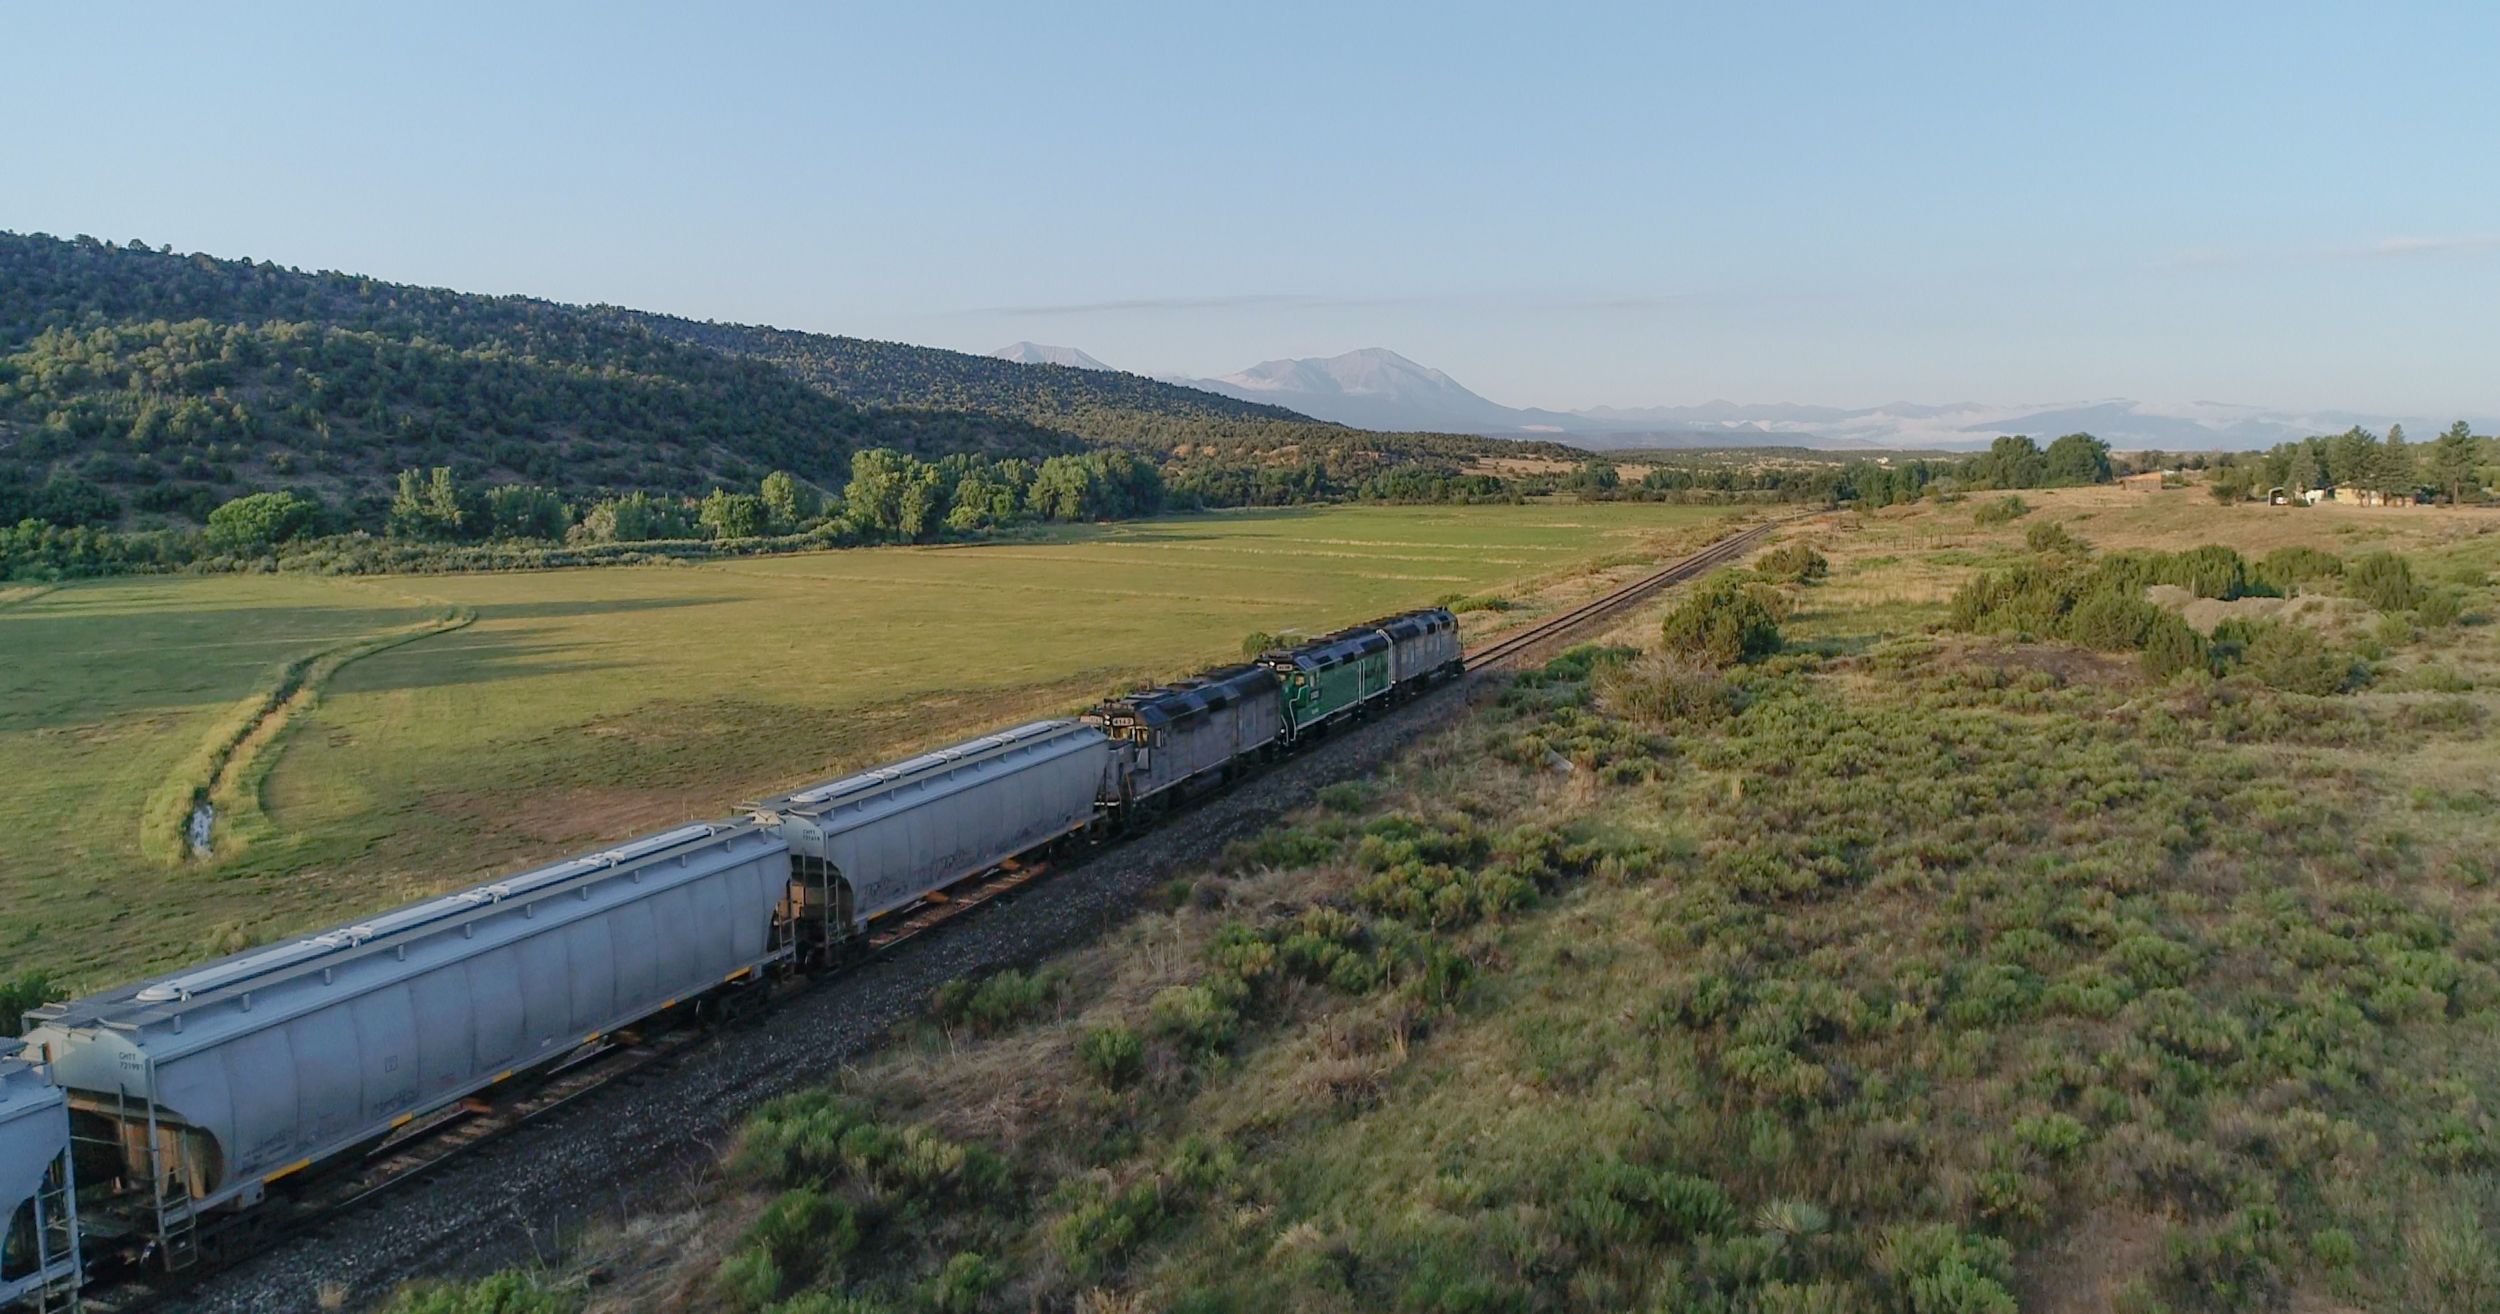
x,y
1565,623
421,1151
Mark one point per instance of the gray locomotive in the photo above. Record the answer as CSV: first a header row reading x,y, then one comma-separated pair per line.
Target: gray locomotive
x,y
158,1119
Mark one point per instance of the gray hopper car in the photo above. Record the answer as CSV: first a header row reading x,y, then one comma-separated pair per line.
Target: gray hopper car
x,y
1191,730
38,1210
869,844
193,1093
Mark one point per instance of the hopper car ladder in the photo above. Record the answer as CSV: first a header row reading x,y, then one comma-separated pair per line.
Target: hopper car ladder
x,y
168,1214
56,1241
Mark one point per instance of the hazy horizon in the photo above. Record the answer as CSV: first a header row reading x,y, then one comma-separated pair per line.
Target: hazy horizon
x,y
1613,208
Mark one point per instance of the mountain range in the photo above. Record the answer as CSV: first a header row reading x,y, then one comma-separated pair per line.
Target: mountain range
x,y
1375,388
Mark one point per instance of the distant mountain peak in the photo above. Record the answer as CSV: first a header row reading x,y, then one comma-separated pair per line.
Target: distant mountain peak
x,y
1035,353
1373,370
1370,388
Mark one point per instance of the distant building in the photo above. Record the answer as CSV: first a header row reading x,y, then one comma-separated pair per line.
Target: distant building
x,y
2342,495
2149,481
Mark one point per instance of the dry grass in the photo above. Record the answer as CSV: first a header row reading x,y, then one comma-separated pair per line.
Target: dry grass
x,y
2124,976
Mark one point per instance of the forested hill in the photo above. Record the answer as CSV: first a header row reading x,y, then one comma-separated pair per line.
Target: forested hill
x,y
1099,404
141,389
137,379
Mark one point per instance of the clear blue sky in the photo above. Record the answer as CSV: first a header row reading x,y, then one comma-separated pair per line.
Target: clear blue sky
x,y
2282,204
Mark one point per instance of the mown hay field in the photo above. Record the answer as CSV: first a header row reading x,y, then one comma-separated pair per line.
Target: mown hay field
x,y
516,717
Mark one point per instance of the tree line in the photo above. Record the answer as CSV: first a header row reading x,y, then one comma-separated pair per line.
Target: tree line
x,y
2010,462
2451,466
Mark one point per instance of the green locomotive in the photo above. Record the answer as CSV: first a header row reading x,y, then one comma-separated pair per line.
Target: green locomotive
x,y
1339,676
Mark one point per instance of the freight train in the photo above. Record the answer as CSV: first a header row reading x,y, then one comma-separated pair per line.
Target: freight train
x,y
159,1123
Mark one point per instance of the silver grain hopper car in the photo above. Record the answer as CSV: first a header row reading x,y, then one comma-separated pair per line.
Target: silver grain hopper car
x,y
869,844
194,1094
1192,730
38,1209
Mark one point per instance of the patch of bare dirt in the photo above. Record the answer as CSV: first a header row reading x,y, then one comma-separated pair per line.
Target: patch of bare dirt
x,y
2069,664
2081,1273
2330,614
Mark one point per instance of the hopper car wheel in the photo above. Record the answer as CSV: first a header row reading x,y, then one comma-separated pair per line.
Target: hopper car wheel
x,y
241,1236
741,1005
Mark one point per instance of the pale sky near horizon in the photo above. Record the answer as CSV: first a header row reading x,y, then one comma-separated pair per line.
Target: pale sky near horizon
x,y
1573,205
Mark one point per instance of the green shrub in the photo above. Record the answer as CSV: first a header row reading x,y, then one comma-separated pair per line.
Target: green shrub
x,y
749,1280
1202,1165
2111,622
1444,896
1807,1298
2211,571
1257,642
1721,623
831,1302
2440,609
819,1136
2002,511
2385,581
1582,662
1346,796
1939,1269
2289,567
997,1002
961,1286
1284,848
805,1232
2049,538
2030,599
2235,1263
1612,1203
2292,658
1671,693
1331,947
2334,1248
2171,645
2056,1136
1793,563
1202,1018
1113,1054
2394,630
1104,1225
501,1293
2432,679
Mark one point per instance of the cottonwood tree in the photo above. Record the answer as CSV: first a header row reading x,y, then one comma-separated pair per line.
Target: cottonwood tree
x,y
790,502
261,520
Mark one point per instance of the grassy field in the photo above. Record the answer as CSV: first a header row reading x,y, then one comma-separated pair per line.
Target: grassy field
x,y
522,715
1905,970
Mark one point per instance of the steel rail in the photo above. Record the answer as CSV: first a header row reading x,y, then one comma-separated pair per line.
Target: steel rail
x,y
1717,554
